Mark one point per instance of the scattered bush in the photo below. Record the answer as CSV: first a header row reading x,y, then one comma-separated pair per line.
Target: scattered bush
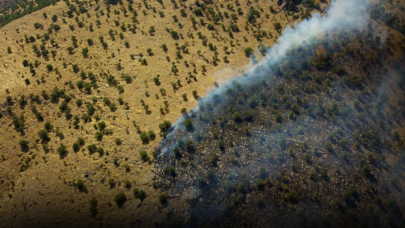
x,y
140,194
111,182
91,148
80,185
188,124
144,137
76,147
174,34
43,135
144,155
24,144
165,126
162,198
366,169
151,135
127,184
62,151
120,199
248,51
85,52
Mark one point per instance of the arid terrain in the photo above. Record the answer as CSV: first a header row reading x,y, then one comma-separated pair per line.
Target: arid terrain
x,y
91,92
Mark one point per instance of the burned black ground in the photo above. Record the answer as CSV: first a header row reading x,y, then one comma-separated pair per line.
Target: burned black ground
x,y
306,145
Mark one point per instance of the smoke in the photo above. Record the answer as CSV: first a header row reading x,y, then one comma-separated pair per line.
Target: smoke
x,y
343,15
268,141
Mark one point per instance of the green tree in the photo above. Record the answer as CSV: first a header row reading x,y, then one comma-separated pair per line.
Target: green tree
x,y
188,124
120,199
174,34
76,147
144,137
43,135
70,50
366,169
49,67
164,47
140,194
144,155
80,185
24,144
151,135
248,51
85,52
162,198
62,151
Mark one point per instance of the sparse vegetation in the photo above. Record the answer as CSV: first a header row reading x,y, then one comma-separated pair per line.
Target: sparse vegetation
x,y
280,140
120,199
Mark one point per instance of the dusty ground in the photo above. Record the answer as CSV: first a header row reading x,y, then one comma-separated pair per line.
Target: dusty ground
x,y
44,193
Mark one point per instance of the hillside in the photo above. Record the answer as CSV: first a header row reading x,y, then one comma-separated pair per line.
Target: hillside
x,y
311,137
169,113
295,146
79,88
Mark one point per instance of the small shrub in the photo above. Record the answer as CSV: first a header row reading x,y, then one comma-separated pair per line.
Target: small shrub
x,y
85,52
80,185
201,181
120,199
259,201
151,135
24,144
91,148
62,151
174,34
76,147
100,150
144,137
111,182
164,47
49,67
162,198
99,135
277,26
127,184
188,124
366,169
189,146
140,194
81,141
248,51
43,135
144,155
